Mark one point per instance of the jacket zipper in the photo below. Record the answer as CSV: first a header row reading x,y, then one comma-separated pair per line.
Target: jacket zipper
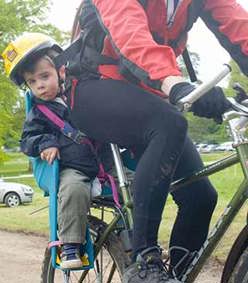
x,y
171,11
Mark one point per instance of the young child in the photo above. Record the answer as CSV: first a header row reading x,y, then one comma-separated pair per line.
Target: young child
x,y
29,60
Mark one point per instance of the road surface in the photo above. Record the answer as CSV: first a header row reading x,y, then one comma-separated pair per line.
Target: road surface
x,y
21,257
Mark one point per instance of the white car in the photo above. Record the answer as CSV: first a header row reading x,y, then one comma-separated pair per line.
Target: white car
x,y
209,148
13,194
226,146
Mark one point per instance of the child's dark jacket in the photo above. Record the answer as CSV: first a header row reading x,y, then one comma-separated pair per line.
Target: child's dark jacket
x,y
40,133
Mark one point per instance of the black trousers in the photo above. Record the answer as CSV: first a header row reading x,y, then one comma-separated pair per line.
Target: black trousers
x,y
118,112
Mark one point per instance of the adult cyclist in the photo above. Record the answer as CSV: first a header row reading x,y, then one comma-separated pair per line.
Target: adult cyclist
x,y
128,73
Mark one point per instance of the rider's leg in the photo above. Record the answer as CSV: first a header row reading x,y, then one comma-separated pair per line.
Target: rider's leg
x,y
118,112
196,203
150,200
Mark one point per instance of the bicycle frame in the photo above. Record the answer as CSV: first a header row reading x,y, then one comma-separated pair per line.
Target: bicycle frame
x,y
222,224
237,201
227,216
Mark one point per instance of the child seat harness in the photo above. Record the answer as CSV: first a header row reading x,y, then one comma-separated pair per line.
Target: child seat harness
x,y
66,129
80,138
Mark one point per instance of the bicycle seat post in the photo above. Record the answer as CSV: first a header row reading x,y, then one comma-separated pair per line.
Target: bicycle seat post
x,y
123,181
119,165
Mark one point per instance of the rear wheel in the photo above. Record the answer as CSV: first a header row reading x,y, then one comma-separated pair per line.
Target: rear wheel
x,y
240,272
108,266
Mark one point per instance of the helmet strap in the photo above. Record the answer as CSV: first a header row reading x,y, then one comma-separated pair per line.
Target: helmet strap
x,y
61,84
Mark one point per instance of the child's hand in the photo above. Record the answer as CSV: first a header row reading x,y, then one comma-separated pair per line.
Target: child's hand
x,y
49,154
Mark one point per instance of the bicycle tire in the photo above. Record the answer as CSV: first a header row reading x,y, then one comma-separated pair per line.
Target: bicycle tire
x,y
237,249
112,251
240,272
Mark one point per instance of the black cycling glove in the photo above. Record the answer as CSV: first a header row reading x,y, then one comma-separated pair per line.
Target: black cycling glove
x,y
211,105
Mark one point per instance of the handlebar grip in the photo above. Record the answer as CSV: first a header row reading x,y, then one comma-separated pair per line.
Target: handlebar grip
x,y
185,103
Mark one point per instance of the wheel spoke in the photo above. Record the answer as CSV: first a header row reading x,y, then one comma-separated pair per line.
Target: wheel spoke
x,y
106,274
111,273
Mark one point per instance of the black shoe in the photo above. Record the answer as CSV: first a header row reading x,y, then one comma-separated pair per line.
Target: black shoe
x,y
148,268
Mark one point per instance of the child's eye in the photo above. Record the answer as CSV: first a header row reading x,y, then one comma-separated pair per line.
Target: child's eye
x,y
45,76
30,82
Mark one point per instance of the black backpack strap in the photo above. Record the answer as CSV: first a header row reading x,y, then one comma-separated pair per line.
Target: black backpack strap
x,y
79,57
91,59
68,54
189,66
143,3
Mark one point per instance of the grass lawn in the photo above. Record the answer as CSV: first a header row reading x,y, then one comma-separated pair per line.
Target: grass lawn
x,y
22,219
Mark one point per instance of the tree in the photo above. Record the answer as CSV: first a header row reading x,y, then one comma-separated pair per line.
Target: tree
x,y
206,130
16,17
237,76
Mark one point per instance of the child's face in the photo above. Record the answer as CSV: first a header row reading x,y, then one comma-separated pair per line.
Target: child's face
x,y
43,81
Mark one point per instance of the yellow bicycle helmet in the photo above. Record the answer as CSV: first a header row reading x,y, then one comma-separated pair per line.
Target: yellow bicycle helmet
x,y
27,46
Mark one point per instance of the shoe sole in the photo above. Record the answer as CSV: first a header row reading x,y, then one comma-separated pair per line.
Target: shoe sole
x,y
71,264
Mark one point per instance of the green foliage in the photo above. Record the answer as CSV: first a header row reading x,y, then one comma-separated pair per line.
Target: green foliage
x,y
29,15
206,130
8,98
16,17
237,76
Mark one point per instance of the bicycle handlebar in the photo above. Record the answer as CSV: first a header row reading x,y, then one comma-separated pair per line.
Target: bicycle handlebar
x,y
185,103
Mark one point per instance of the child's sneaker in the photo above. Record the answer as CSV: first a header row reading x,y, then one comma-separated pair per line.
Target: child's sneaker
x,y
70,257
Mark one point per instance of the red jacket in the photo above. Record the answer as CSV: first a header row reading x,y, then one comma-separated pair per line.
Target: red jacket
x,y
147,46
